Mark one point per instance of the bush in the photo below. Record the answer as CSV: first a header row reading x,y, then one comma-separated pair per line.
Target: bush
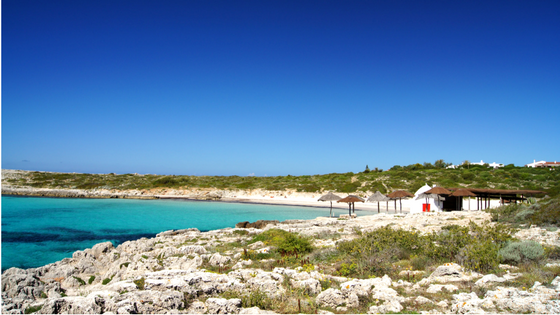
x,y
542,213
419,262
140,283
482,256
91,279
294,244
287,243
33,309
522,252
82,282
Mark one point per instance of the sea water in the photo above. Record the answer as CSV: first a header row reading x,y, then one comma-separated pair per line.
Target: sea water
x,y
37,231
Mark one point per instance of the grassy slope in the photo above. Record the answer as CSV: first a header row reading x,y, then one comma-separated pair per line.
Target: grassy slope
x,y
409,178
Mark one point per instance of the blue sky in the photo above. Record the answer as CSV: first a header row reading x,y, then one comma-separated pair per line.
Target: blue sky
x,y
277,87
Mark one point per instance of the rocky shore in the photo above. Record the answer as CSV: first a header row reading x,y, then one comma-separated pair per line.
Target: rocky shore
x,y
188,271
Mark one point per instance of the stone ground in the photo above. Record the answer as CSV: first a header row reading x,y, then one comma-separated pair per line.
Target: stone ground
x,y
179,272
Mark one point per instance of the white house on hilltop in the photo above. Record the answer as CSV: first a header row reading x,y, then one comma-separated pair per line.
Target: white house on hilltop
x,y
492,165
543,164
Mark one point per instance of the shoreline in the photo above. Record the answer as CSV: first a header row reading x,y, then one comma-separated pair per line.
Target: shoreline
x,y
279,198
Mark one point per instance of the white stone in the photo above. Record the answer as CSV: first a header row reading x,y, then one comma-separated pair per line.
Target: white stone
x,y
330,298
435,288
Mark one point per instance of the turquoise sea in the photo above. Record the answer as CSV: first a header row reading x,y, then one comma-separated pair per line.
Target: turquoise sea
x,y
37,231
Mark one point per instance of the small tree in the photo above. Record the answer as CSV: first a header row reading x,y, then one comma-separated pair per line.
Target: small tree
x,y
441,164
367,169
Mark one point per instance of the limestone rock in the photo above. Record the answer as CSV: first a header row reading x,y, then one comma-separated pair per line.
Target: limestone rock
x,y
260,224
467,303
21,283
192,249
450,272
311,285
256,245
74,305
387,307
197,307
223,306
218,260
488,280
422,300
242,263
435,288
254,310
330,298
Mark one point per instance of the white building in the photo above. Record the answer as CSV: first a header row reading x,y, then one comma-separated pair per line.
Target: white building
x,y
493,165
543,164
417,206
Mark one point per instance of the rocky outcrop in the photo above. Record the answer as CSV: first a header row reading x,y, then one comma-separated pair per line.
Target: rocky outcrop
x,y
182,271
260,224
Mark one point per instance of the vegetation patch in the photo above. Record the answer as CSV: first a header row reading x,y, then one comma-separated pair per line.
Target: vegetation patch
x,y
409,177
545,213
33,309
376,253
140,283
82,282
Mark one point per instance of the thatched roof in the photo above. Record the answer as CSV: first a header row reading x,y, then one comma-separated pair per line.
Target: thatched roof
x,y
400,194
462,193
501,191
351,198
432,196
329,197
377,197
438,191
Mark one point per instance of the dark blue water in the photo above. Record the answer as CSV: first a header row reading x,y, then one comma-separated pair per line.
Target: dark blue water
x,y
38,231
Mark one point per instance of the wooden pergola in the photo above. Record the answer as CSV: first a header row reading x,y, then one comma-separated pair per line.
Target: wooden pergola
x,y
483,195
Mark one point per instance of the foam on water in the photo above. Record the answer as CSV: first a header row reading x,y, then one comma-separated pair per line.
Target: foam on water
x,y
38,231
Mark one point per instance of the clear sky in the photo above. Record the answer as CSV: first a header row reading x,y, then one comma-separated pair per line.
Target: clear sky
x,y
277,87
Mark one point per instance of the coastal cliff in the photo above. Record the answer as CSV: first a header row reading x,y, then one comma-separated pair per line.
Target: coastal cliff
x,y
229,271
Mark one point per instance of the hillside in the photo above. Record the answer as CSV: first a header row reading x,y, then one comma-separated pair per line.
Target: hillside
x,y
409,178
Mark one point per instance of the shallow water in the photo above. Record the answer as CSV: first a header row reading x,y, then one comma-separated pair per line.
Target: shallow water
x,y
38,231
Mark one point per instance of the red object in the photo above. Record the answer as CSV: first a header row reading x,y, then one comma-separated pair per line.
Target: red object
x,y
425,207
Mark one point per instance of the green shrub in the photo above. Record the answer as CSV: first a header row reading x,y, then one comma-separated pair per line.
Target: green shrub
x,y
293,244
524,214
552,252
33,309
270,237
82,282
419,262
522,252
91,279
258,299
481,256
347,269
140,283
106,280
241,232
542,213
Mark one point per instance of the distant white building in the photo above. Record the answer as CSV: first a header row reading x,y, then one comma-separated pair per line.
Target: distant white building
x,y
493,165
543,164
478,163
